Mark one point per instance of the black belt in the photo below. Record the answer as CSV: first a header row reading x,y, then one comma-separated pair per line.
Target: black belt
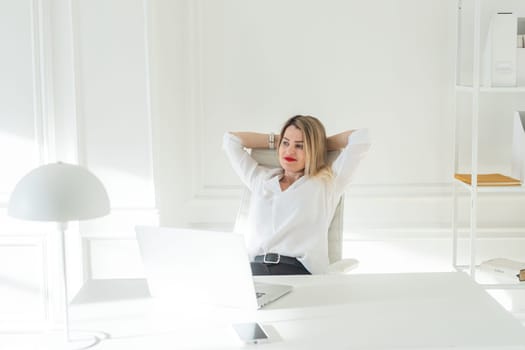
x,y
274,258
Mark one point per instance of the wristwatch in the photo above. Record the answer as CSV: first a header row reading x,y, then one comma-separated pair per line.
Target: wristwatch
x,y
271,140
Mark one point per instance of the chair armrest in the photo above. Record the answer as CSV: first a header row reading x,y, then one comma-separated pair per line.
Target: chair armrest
x,y
343,266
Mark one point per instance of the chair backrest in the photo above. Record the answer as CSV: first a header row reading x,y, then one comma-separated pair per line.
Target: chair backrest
x,y
269,158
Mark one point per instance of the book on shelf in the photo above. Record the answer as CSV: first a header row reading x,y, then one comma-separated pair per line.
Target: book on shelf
x,y
489,179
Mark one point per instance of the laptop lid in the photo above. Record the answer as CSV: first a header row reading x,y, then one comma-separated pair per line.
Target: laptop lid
x,y
196,266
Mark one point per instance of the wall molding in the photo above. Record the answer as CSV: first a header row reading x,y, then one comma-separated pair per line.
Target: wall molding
x,y
383,211
435,190
197,108
41,125
77,84
152,131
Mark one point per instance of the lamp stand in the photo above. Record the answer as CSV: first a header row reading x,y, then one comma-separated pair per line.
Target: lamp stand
x,y
60,192
69,342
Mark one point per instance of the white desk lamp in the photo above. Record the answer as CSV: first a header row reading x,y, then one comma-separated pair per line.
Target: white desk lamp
x,y
60,192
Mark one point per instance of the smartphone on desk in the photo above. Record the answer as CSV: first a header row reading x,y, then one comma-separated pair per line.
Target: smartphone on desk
x,y
251,333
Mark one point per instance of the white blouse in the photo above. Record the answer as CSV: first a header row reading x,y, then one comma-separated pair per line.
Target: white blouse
x,y
294,222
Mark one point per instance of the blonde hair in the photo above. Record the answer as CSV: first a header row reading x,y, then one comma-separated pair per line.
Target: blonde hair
x,y
314,143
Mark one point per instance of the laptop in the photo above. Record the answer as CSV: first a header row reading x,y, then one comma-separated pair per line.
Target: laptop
x,y
197,266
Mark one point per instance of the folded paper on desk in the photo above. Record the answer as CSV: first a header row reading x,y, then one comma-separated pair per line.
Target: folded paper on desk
x,y
505,267
489,180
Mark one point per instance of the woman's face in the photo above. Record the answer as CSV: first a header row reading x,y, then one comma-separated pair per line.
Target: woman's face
x,y
291,151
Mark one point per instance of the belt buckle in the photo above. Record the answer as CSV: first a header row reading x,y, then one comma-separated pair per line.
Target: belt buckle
x,y
271,258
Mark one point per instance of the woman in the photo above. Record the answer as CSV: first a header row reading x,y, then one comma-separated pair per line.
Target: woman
x,y
292,207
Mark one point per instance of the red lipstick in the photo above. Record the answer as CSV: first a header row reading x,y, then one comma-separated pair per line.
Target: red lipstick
x,y
289,159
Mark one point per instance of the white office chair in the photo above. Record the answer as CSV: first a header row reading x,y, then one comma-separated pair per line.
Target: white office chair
x,y
269,158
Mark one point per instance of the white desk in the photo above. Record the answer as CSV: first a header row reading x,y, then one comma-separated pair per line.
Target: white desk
x,y
380,311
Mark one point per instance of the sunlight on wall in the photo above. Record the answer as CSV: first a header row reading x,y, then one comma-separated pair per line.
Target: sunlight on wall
x,y
18,156
21,292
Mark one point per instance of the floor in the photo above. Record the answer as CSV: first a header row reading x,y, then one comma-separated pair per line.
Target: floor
x,y
422,256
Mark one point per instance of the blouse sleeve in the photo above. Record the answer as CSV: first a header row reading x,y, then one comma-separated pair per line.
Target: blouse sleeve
x,y
241,161
347,162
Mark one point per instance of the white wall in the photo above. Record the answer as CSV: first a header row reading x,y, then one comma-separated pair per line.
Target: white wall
x,y
386,65
141,91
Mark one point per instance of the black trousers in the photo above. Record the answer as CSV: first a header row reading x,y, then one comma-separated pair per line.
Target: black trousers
x,y
260,268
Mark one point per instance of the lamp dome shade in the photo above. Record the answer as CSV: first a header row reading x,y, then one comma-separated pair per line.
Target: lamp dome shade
x,y
59,192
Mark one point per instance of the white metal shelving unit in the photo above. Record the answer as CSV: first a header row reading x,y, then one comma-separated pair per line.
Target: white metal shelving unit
x,y
477,92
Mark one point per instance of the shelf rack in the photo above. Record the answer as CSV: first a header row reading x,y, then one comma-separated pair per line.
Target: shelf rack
x,y
476,89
